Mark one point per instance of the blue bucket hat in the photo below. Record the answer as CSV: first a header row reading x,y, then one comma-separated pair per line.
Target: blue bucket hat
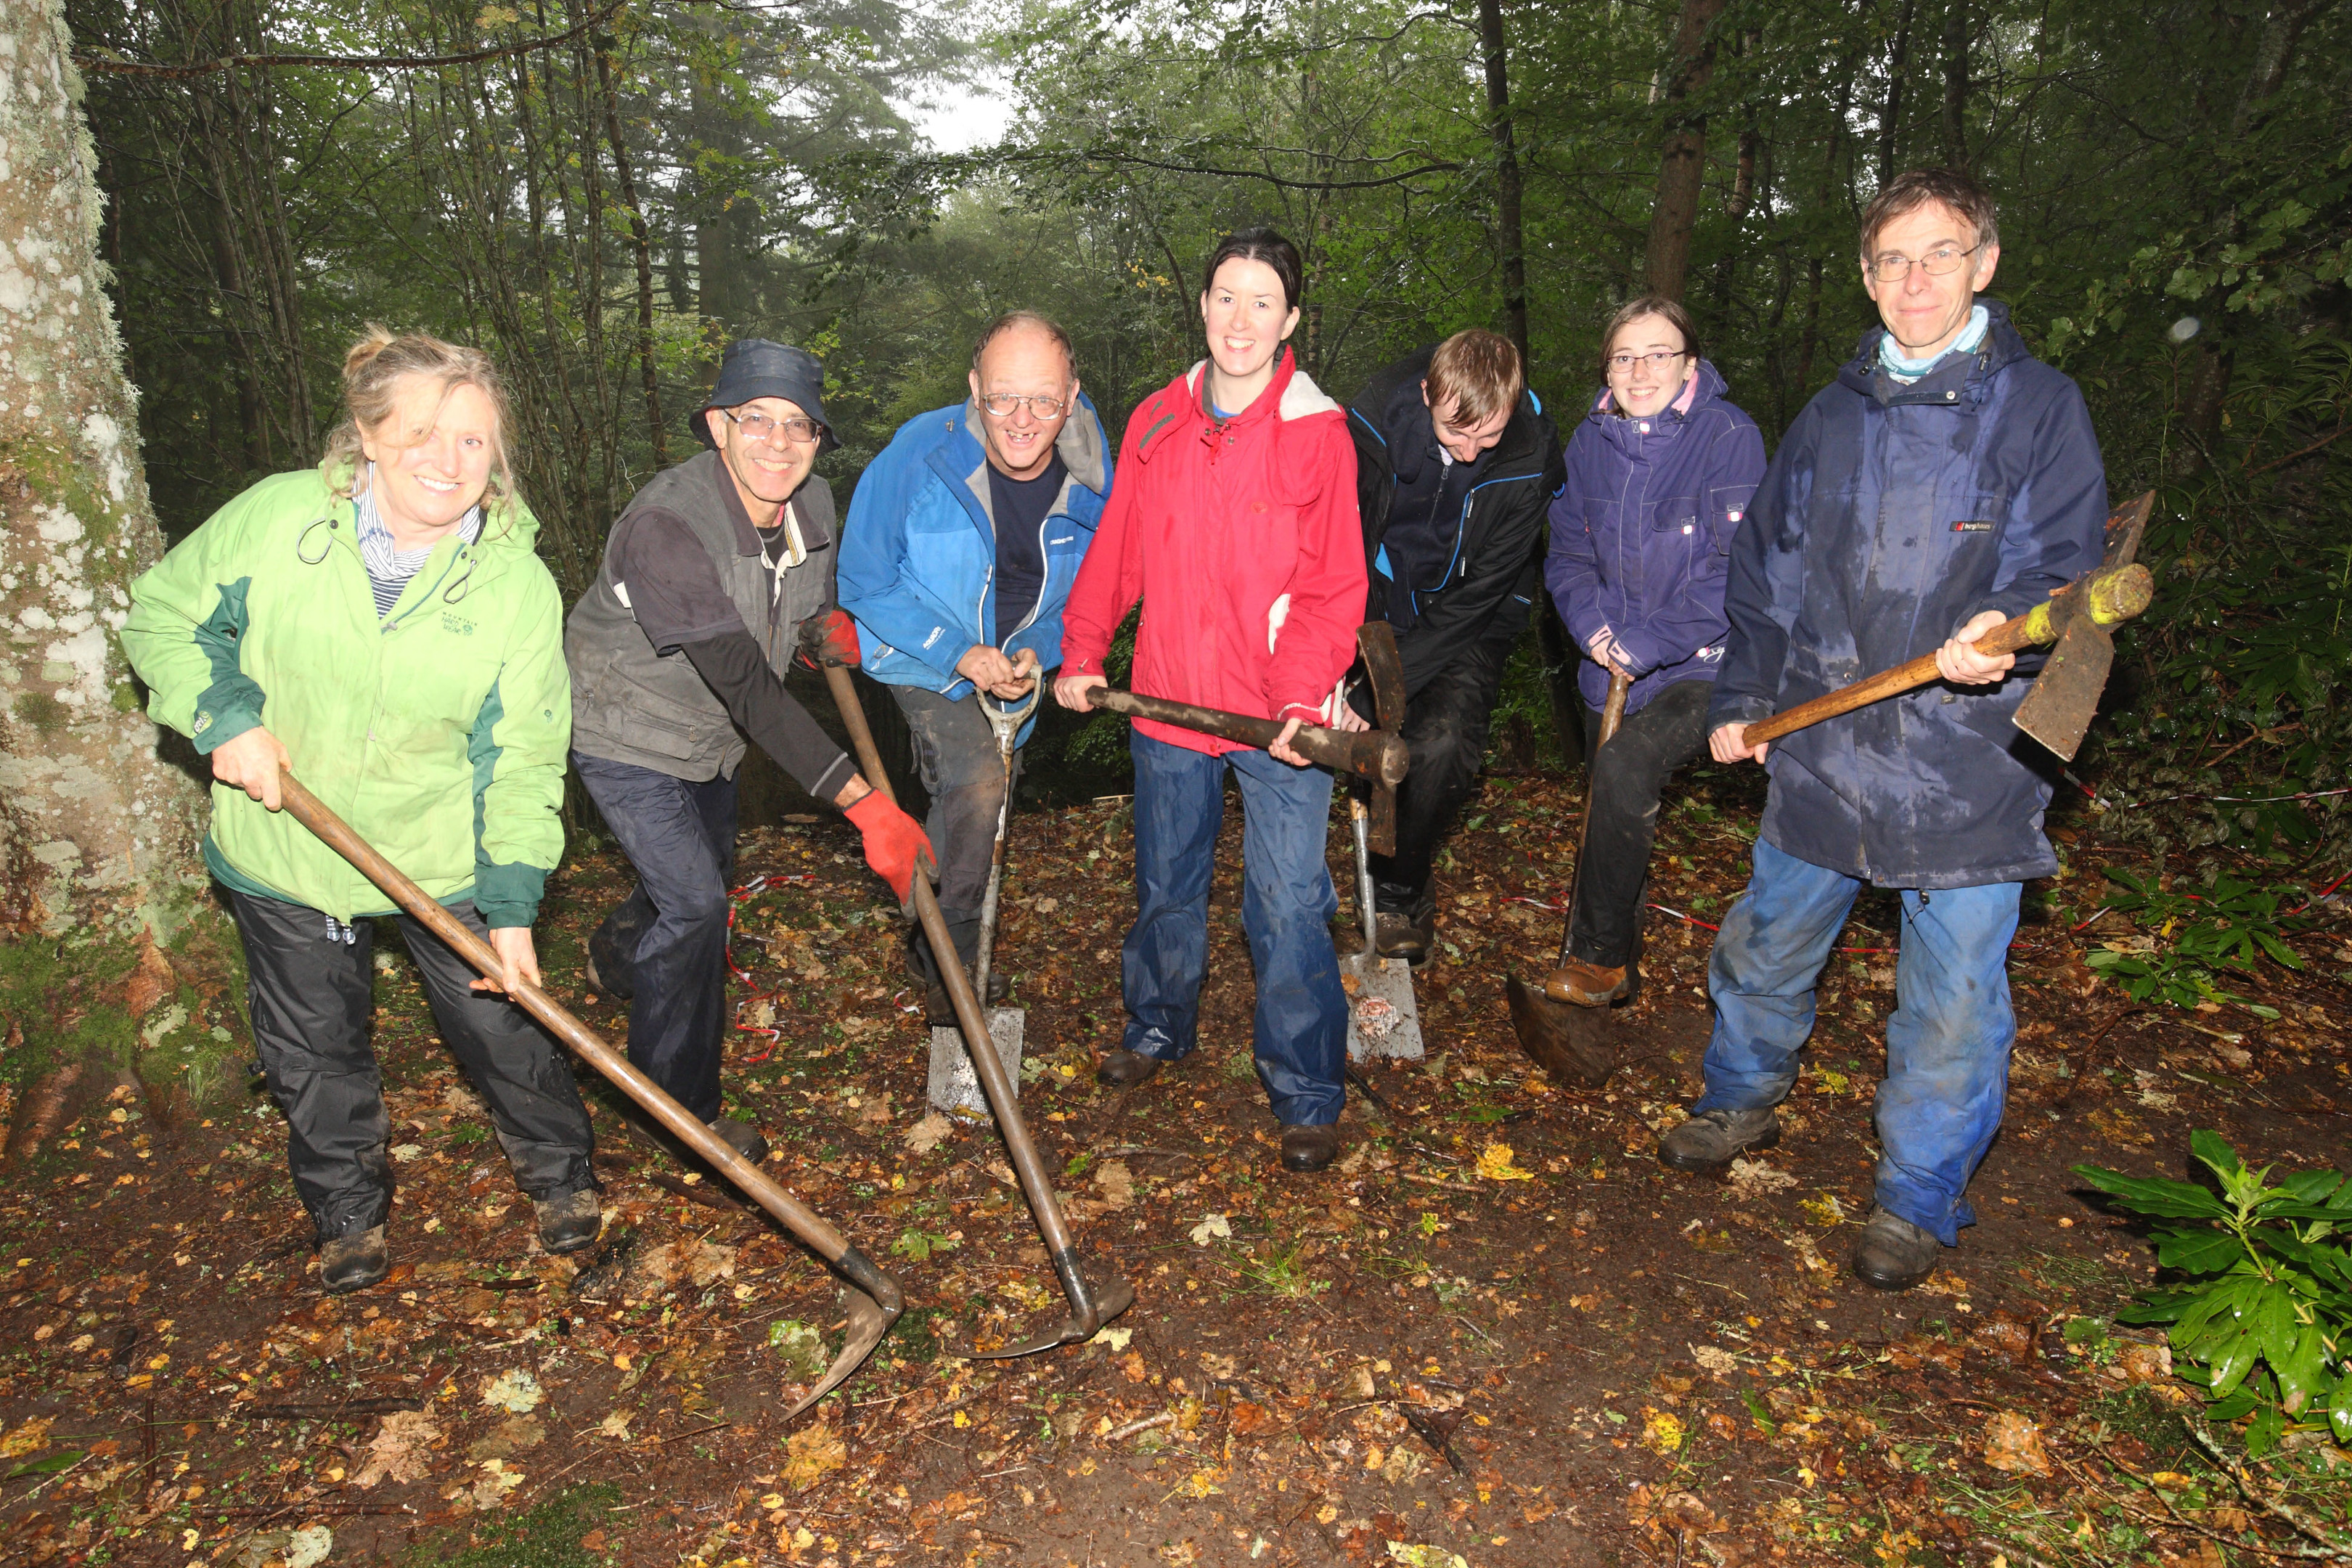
x,y
753,368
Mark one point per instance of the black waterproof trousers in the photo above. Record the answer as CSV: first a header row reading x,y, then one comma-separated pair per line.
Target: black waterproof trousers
x,y
311,999
1627,777
1445,726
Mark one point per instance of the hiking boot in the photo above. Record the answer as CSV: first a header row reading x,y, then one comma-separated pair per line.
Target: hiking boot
x,y
1404,923
1709,1140
353,1262
569,1221
608,971
938,1008
1583,984
1894,1254
741,1137
1123,1068
1309,1148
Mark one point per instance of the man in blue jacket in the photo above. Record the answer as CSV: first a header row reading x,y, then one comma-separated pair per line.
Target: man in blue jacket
x,y
1946,482
962,543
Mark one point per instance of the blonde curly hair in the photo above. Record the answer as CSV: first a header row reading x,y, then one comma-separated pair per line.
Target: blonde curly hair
x,y
373,373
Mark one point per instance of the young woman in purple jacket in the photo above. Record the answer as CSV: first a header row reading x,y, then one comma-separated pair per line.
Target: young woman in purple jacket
x,y
1659,475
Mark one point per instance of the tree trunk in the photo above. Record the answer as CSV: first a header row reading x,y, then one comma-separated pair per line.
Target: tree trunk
x,y
641,241
1507,191
1683,163
1956,83
96,829
1890,113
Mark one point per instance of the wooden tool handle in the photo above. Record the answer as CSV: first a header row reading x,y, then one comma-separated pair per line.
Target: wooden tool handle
x,y
1375,754
336,834
2109,596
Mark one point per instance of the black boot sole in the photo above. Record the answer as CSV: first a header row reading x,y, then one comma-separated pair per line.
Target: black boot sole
x,y
1717,1167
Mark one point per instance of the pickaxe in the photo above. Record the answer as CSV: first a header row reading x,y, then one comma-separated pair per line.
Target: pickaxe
x,y
1378,755
2077,617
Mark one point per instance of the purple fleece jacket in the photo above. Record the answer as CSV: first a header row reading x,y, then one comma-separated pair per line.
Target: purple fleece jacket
x,y
1641,535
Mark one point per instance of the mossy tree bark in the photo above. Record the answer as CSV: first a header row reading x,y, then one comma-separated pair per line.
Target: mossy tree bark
x,y
95,828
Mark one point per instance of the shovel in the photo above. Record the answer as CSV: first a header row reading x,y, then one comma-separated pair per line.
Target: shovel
x,y
1570,1042
1382,1019
954,1088
875,1302
1090,1306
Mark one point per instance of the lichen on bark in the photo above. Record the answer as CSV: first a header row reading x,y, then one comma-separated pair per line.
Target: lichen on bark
x,y
97,828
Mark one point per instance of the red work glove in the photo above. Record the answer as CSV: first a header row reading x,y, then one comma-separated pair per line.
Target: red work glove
x,y
829,640
894,841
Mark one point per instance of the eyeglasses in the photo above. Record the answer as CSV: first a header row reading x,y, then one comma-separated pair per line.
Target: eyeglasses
x,y
797,430
1003,404
1893,266
1622,364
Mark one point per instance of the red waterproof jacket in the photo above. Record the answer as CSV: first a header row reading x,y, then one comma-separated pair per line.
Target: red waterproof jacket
x,y
1240,536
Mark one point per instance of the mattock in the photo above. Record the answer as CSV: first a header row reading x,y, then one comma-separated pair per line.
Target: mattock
x,y
875,1300
1090,1306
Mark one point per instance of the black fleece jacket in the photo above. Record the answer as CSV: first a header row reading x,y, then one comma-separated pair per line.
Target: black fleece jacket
x,y
1497,569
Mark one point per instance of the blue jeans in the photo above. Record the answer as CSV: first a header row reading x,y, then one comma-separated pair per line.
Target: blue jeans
x,y
1299,1034
672,930
1948,1039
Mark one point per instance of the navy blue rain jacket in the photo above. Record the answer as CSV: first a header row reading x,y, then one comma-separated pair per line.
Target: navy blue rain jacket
x,y
1641,530
1891,515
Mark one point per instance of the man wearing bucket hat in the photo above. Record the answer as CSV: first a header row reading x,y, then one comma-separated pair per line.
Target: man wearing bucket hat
x,y
713,577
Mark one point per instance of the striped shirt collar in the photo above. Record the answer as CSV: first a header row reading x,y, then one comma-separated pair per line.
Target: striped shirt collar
x,y
376,548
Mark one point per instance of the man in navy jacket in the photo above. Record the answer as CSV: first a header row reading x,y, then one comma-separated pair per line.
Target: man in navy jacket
x,y
963,541
1946,482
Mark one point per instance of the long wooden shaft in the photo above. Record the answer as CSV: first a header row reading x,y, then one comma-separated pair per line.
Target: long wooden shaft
x,y
1612,714
2111,596
829,1244
1375,754
1002,1100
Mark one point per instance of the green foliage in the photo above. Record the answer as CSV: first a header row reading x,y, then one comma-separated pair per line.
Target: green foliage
x,y
917,1246
548,1535
2229,924
2265,1312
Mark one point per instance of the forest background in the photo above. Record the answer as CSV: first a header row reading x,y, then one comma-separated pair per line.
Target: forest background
x,y
603,192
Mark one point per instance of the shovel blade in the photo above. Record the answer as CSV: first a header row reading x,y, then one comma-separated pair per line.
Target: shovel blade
x,y
1569,1043
954,1086
1383,1019
2065,696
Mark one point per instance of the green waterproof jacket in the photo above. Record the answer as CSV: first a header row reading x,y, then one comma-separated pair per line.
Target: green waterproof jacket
x,y
437,732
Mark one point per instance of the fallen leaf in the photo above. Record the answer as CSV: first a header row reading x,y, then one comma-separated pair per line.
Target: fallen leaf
x,y
517,1390
496,1483
1424,1556
1115,1338
308,1546
799,1346
690,1261
1248,1419
1661,1433
1212,1227
615,1425
1132,1364
1494,1164
2137,1363
810,1453
929,1132
2013,1443
149,983
1219,1366
508,1438
1717,1361
1753,1178
397,1452
1118,1183
1200,1483
30,1438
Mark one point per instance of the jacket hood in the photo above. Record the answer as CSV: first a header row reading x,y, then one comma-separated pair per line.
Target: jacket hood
x,y
2003,346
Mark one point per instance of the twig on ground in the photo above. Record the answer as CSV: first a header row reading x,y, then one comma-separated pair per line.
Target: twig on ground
x,y
2277,1508
1166,1417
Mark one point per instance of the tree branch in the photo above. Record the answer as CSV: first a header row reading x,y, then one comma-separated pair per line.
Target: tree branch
x,y
1084,155
107,62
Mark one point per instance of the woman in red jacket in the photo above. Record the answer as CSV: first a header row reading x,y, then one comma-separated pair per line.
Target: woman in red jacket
x,y
1233,517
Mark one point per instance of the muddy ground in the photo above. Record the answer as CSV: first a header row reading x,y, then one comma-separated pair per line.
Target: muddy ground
x,y
1499,1333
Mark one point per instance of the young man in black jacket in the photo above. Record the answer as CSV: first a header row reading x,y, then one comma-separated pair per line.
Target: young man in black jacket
x,y
1455,463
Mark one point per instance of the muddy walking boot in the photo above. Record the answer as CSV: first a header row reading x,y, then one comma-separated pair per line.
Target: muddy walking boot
x,y
1712,1139
569,1221
740,1136
353,1262
1404,923
1123,1068
1309,1148
1894,1254
612,942
938,1008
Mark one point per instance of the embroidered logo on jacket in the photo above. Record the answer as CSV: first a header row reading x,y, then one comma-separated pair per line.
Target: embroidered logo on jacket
x,y
1972,525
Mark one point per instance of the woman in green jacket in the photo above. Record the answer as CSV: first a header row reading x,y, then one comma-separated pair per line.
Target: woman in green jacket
x,y
380,626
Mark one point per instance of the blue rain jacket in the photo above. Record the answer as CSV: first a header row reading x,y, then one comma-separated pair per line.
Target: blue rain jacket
x,y
1891,515
1641,535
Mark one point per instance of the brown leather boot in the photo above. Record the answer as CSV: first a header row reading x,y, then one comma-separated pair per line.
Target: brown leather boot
x,y
1583,984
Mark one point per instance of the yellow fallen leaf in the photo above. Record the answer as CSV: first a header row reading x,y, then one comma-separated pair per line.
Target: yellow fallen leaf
x,y
1661,1432
1494,1164
30,1439
811,1452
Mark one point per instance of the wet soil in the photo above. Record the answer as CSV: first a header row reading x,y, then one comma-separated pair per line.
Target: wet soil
x,y
1499,1331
